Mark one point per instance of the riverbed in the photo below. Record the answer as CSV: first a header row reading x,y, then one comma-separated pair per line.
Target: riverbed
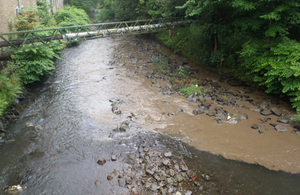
x,y
75,117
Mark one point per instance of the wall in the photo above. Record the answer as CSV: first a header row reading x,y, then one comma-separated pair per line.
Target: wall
x,y
10,8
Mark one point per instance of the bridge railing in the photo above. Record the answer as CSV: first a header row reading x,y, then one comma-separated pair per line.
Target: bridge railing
x,y
13,41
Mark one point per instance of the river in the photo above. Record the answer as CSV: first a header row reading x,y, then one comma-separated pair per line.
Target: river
x,y
67,125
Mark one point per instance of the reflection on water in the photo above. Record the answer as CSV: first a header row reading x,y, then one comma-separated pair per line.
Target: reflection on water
x,y
64,130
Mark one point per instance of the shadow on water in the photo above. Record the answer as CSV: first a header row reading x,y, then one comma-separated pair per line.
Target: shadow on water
x,y
57,146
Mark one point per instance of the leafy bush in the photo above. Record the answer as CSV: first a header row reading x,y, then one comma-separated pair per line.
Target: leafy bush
x,y
71,16
32,63
276,66
10,88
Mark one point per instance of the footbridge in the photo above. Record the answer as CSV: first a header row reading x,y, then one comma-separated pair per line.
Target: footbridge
x,y
19,40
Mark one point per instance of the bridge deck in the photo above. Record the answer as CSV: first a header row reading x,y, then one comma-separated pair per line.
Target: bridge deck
x,y
14,41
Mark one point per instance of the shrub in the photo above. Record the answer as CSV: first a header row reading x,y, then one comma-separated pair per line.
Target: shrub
x,y
10,88
191,90
71,16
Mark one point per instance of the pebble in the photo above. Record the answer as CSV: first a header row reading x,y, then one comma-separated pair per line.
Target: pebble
x,y
168,154
97,182
188,193
109,177
255,126
101,161
113,157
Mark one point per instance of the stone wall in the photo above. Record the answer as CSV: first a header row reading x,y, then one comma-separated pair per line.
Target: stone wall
x,y
9,10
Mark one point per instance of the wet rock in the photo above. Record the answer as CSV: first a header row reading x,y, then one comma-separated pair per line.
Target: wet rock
x,y
109,177
276,111
168,154
220,116
197,111
255,126
179,110
170,114
261,132
97,182
264,105
281,128
113,157
264,120
101,161
219,121
194,100
118,112
283,120
210,114
266,112
114,108
156,85
243,116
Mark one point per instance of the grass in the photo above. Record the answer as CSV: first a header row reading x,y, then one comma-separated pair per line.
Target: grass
x,y
191,90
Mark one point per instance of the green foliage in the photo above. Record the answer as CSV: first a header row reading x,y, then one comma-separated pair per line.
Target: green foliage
x,y
32,63
71,16
87,5
10,88
297,118
277,68
191,90
182,72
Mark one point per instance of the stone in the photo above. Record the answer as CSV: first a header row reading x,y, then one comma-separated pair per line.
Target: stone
x,y
168,154
178,193
296,131
179,110
156,85
220,116
113,157
281,128
261,132
283,120
197,111
148,185
207,177
114,108
243,116
101,161
184,168
171,172
255,126
210,114
194,100
166,162
273,124
266,112
118,112
188,193
150,172
170,114
109,177
97,182
154,187
276,111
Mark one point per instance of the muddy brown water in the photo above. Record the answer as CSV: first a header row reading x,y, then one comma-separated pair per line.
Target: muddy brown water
x,y
67,123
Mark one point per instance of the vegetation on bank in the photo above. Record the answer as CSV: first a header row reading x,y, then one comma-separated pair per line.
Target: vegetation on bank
x,y
253,40
30,64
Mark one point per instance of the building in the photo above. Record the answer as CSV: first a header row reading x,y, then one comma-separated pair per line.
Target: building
x,y
9,10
